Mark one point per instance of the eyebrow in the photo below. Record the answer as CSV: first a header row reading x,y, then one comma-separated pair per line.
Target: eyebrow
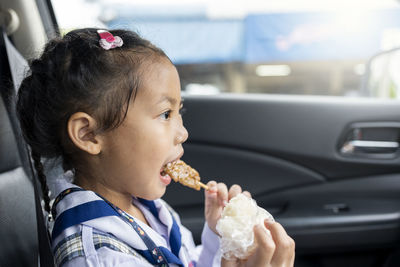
x,y
169,99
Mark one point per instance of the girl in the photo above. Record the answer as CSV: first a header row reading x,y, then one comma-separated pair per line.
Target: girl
x,y
107,104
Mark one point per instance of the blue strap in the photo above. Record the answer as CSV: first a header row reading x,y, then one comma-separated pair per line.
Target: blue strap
x,y
82,213
175,238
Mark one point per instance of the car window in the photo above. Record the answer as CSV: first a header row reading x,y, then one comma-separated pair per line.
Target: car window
x,y
303,47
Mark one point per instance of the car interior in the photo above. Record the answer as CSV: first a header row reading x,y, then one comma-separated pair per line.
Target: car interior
x,y
326,168
18,216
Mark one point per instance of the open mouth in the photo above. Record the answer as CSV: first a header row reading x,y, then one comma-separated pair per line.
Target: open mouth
x,y
162,171
165,178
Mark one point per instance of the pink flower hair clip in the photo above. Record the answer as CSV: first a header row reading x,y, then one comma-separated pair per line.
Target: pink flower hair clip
x,y
109,41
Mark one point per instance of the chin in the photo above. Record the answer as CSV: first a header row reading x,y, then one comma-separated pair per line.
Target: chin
x,y
154,194
161,193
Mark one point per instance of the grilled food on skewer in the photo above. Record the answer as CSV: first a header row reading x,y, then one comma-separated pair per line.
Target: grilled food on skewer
x,y
180,172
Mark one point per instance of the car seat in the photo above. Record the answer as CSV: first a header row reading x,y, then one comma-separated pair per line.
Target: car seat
x,y
21,242
18,233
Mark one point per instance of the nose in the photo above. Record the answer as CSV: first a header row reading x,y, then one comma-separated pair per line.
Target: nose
x,y
182,135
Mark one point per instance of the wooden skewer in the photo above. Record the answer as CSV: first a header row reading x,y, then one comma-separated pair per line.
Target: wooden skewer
x,y
203,185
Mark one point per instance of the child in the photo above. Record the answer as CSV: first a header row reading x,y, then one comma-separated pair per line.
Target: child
x,y
108,104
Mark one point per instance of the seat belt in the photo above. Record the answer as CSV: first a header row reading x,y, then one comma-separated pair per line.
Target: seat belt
x,y
17,66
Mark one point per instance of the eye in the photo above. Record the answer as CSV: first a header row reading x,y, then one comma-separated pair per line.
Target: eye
x,y
166,115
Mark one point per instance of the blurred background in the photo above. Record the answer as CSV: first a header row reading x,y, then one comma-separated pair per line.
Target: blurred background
x,y
302,47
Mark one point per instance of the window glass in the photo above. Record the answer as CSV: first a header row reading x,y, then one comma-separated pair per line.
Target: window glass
x,y
254,46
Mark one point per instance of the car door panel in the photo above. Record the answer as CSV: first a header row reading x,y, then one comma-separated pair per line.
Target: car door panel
x,y
285,150
348,214
302,129
248,168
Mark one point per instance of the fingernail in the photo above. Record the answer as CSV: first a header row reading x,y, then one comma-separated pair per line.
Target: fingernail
x,y
212,188
268,222
224,203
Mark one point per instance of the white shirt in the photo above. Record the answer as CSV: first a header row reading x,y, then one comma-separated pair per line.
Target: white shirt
x,y
207,254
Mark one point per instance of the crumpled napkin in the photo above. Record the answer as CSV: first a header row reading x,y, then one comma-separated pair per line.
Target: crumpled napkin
x,y
236,226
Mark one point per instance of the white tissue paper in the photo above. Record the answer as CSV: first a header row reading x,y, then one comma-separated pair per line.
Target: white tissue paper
x,y
236,226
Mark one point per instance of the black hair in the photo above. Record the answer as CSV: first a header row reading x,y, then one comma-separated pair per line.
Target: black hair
x,y
73,74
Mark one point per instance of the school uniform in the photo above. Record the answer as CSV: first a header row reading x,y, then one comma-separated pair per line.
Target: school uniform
x,y
90,231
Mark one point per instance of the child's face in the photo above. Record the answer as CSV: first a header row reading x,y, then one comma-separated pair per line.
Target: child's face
x,y
150,136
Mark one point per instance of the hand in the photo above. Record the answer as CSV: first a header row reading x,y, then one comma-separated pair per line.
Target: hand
x,y
216,198
272,250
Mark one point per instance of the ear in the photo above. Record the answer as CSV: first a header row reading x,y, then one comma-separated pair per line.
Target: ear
x,y
81,130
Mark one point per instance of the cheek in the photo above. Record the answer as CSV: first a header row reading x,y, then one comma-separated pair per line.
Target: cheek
x,y
157,138
155,153
152,146
147,146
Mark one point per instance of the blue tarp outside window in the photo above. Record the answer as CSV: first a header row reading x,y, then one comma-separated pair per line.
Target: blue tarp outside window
x,y
269,37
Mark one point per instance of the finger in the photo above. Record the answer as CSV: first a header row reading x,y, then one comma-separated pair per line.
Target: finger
x,y
211,193
234,191
247,194
222,194
284,252
212,186
265,248
213,207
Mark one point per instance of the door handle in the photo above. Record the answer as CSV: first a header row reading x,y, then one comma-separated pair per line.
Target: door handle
x,y
369,146
371,139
